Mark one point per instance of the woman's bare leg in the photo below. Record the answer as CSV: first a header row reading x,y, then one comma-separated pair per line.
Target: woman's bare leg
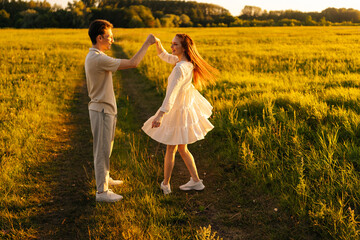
x,y
189,162
169,162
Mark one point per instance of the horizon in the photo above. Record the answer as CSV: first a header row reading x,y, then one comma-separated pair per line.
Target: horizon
x,y
275,5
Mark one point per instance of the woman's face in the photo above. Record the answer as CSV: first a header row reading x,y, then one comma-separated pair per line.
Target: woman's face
x,y
176,47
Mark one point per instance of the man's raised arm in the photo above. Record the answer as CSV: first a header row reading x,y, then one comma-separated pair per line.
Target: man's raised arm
x,y
136,59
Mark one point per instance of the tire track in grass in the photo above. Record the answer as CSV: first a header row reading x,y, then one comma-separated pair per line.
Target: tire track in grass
x,y
234,206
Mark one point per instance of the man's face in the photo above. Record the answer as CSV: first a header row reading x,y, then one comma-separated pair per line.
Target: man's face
x,y
106,39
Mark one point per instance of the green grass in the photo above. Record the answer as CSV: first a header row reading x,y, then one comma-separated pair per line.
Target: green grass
x,y
286,116
286,111
39,72
42,149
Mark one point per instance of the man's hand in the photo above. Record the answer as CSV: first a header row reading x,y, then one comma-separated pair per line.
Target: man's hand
x,y
136,59
150,39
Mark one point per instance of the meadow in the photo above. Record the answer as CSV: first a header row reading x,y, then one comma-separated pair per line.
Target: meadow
x,y
286,116
286,113
47,184
39,73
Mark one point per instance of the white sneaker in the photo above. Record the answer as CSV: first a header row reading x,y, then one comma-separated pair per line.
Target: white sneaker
x,y
192,185
166,188
113,182
108,196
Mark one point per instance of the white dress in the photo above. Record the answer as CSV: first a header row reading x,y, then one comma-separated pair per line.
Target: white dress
x,y
186,110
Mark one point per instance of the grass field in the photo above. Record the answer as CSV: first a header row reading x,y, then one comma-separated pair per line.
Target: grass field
x,y
286,116
38,76
286,113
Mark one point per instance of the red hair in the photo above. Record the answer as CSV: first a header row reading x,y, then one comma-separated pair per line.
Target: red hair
x,y
204,73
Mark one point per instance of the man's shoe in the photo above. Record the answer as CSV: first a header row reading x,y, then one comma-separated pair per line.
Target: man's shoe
x,y
113,182
166,188
108,196
192,185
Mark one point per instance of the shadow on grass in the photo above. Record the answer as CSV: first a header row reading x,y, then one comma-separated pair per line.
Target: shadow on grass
x,y
68,176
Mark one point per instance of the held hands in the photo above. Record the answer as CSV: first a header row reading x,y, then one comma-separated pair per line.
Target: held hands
x,y
159,47
151,39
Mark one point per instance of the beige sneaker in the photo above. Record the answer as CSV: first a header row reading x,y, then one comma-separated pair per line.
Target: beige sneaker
x,y
108,196
166,188
113,182
192,185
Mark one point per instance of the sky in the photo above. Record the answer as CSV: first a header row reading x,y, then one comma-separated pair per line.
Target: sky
x,y
235,6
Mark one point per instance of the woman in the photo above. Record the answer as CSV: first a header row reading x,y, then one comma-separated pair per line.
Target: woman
x,y
183,117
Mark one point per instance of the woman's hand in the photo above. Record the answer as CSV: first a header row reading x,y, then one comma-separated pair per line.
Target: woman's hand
x,y
158,119
159,46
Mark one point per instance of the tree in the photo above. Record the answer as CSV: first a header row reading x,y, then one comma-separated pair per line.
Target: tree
x,y
251,11
81,14
157,23
4,18
28,19
136,22
310,22
323,22
289,22
237,23
170,20
139,12
90,3
185,21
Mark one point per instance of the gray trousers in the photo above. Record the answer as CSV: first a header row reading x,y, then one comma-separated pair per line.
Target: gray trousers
x,y
103,130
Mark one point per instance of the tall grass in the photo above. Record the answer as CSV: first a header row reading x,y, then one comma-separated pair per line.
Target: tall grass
x,y
39,71
286,115
286,111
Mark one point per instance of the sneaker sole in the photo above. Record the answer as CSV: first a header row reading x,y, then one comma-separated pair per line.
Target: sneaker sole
x,y
166,192
193,188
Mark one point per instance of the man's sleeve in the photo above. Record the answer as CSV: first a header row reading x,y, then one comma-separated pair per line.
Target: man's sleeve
x,y
108,63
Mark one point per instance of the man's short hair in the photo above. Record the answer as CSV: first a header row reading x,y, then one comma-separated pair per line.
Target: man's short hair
x,y
98,27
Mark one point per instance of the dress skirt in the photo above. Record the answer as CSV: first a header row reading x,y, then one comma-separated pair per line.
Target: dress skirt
x,y
186,122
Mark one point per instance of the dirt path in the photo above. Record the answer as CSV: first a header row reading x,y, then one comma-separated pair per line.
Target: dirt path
x,y
67,175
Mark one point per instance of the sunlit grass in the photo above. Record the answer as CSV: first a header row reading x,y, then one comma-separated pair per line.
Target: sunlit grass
x,y
38,74
287,105
286,114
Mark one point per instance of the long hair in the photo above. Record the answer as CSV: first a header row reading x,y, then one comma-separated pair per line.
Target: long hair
x,y
204,73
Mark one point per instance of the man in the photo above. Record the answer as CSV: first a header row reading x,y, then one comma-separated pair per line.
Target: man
x,y
102,106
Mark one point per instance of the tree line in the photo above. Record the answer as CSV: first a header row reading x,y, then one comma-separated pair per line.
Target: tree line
x,y
159,13
255,16
122,13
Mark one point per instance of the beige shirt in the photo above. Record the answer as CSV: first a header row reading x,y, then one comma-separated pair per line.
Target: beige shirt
x,y
98,69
